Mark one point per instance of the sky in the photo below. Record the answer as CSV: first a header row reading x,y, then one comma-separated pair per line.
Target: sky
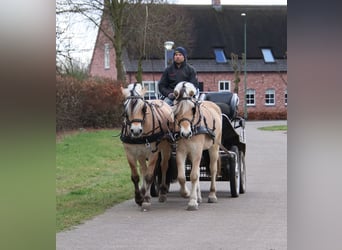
x,y
83,37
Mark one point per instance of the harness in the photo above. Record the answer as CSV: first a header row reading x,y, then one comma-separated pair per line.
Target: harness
x,y
196,128
156,134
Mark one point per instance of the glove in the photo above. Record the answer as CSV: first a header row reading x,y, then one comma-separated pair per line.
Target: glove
x,y
171,96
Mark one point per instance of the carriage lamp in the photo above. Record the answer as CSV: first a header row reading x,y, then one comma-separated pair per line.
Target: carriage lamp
x,y
168,46
244,15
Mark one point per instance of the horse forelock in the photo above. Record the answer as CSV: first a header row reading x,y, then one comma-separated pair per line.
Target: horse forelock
x,y
134,106
133,89
182,107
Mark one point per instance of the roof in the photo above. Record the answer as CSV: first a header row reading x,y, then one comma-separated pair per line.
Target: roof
x,y
266,27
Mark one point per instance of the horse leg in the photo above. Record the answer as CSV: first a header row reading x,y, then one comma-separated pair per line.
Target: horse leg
x,y
135,179
214,155
180,160
148,178
195,193
165,156
143,170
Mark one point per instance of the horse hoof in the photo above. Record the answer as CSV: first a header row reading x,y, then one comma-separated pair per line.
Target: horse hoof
x,y
138,202
162,198
212,200
192,207
146,206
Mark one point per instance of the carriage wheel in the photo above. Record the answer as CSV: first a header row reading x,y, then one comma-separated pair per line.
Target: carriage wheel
x,y
242,173
234,173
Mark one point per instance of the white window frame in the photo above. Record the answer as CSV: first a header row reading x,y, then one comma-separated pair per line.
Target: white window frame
x,y
285,96
150,93
106,56
250,97
271,100
225,83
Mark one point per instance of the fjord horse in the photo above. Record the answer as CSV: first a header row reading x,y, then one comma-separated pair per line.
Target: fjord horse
x,y
144,136
199,127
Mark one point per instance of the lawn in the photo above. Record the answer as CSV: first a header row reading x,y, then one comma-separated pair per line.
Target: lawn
x,y
92,175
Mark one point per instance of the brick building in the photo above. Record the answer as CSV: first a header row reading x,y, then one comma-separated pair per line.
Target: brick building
x,y
219,31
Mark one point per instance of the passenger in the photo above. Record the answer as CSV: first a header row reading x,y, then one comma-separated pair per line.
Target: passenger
x,y
177,72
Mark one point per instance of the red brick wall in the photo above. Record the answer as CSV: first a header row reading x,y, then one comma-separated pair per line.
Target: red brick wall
x,y
97,66
260,82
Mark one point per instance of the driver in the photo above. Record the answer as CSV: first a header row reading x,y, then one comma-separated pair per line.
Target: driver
x,y
177,72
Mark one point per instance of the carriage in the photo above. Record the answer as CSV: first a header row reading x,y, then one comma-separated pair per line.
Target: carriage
x,y
201,138
232,149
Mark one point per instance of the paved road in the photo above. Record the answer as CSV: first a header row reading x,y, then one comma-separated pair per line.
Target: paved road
x,y
257,220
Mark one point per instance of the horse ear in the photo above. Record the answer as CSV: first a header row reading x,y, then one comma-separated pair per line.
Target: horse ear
x,y
176,93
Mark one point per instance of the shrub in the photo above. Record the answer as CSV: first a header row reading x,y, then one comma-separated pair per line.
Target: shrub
x,y
94,103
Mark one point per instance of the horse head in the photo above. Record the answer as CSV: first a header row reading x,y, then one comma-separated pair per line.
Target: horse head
x,y
134,108
185,108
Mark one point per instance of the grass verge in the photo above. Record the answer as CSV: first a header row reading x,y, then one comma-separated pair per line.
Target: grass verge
x,y
92,175
274,128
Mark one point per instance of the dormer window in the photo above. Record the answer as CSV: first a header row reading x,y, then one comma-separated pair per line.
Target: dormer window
x,y
268,55
220,57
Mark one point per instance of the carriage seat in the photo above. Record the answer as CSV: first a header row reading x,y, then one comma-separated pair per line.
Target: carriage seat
x,y
229,100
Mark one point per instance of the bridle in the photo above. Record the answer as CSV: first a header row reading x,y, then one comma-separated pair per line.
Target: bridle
x,y
134,99
195,128
195,108
154,135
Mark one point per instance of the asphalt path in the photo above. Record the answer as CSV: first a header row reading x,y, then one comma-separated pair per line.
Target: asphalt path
x,y
256,220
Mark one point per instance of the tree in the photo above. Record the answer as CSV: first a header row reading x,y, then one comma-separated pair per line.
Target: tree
x,y
140,26
236,65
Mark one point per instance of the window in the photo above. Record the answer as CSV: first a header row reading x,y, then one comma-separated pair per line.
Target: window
x,y
286,97
270,97
106,56
250,97
268,55
220,57
150,87
224,85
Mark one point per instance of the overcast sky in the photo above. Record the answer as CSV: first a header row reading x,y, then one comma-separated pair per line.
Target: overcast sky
x,y
84,37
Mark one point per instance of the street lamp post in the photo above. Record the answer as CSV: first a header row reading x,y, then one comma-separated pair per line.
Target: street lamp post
x,y
245,65
168,46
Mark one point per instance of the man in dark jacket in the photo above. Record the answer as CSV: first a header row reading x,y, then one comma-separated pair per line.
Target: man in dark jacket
x,y
177,72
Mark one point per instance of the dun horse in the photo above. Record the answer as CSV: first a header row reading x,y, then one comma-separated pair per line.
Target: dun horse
x,y
199,125
144,136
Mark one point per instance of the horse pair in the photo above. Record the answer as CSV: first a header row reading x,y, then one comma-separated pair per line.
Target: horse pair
x,y
149,126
